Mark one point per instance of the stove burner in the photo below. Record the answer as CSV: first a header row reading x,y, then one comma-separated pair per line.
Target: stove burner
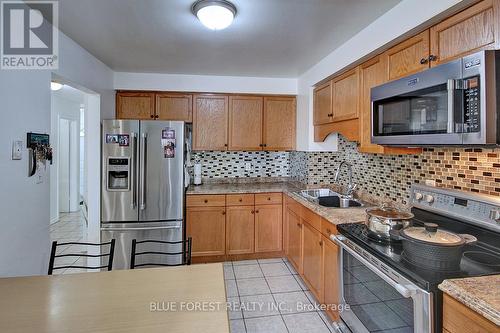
x,y
483,258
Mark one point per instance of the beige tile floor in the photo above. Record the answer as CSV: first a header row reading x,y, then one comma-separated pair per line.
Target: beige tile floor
x,y
71,227
255,288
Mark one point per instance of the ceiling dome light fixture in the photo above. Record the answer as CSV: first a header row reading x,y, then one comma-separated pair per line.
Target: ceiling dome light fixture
x,y
214,14
55,86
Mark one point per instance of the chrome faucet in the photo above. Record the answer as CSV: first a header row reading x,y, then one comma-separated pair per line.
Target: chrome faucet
x,y
350,186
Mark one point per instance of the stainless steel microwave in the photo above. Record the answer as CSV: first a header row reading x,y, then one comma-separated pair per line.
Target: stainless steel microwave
x,y
456,103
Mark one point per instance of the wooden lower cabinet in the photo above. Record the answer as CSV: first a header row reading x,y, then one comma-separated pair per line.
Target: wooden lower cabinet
x,y
294,240
207,227
268,228
458,318
330,269
311,262
240,229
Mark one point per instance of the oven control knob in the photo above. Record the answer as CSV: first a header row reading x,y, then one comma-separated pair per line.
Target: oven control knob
x,y
429,198
418,196
495,215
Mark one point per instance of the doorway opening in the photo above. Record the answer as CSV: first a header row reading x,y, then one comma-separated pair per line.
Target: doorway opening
x,y
74,187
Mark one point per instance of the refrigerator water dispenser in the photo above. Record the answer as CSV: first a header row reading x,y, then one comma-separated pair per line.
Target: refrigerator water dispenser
x,y
118,172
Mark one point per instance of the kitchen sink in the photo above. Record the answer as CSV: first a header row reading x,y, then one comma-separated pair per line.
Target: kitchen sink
x,y
328,198
318,193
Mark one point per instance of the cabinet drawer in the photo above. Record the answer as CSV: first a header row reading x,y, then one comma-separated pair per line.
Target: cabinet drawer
x,y
311,218
209,200
328,228
240,200
268,198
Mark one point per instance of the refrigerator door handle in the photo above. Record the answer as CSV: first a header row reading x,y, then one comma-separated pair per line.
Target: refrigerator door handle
x,y
144,139
133,166
142,228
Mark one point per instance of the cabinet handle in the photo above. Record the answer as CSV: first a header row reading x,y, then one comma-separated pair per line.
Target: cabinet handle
x,y
432,57
223,212
423,61
299,225
151,116
253,211
321,243
265,145
330,115
206,201
328,231
257,211
268,198
240,200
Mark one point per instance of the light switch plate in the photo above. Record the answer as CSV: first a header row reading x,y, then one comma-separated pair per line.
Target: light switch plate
x,y
17,150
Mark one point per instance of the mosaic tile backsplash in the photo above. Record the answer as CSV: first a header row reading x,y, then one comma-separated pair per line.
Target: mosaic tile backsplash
x,y
231,164
469,169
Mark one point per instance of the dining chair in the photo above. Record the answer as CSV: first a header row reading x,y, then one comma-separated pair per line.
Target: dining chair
x,y
54,256
185,252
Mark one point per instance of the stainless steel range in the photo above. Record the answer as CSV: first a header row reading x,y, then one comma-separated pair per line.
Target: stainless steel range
x,y
386,292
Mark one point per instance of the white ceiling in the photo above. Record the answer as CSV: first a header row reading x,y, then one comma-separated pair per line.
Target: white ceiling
x,y
271,38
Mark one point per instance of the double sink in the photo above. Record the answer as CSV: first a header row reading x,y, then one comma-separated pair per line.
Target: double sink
x,y
328,198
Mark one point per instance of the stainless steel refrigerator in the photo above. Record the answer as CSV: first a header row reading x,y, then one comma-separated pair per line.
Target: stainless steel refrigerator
x,y
142,187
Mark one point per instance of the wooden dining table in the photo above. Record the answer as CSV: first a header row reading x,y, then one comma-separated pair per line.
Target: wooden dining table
x,y
168,299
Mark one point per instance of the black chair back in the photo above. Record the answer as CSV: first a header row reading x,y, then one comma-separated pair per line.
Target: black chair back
x,y
54,256
185,253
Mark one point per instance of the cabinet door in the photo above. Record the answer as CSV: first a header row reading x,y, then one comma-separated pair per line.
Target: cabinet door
x,y
345,96
210,122
408,57
245,123
268,228
135,105
323,99
471,30
207,227
312,259
294,240
330,268
279,123
240,229
171,106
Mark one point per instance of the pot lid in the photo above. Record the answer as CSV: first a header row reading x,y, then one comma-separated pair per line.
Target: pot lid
x,y
389,213
430,234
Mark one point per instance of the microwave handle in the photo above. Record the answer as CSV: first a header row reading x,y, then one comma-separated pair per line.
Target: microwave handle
x,y
451,106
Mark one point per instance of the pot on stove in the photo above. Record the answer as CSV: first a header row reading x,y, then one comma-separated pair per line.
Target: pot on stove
x,y
433,248
381,220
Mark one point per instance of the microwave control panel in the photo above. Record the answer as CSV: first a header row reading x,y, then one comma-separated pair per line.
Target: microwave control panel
x,y
471,105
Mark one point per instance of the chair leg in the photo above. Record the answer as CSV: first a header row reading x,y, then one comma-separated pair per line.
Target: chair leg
x,y
132,255
111,254
52,257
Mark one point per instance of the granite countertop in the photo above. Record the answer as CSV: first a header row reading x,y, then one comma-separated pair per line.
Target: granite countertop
x,y
333,215
481,294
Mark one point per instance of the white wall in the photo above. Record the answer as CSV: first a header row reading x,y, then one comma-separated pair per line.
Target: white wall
x,y
25,106
403,19
205,83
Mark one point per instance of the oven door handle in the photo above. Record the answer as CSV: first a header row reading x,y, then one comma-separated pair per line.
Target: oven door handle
x,y
406,291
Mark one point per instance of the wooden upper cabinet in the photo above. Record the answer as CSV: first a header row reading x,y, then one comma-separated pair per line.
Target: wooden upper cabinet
x,y
408,57
279,123
345,96
210,116
135,105
323,99
172,106
268,228
245,122
473,29
240,229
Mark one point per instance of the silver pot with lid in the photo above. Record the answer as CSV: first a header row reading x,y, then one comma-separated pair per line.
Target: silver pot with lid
x,y
433,248
381,220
